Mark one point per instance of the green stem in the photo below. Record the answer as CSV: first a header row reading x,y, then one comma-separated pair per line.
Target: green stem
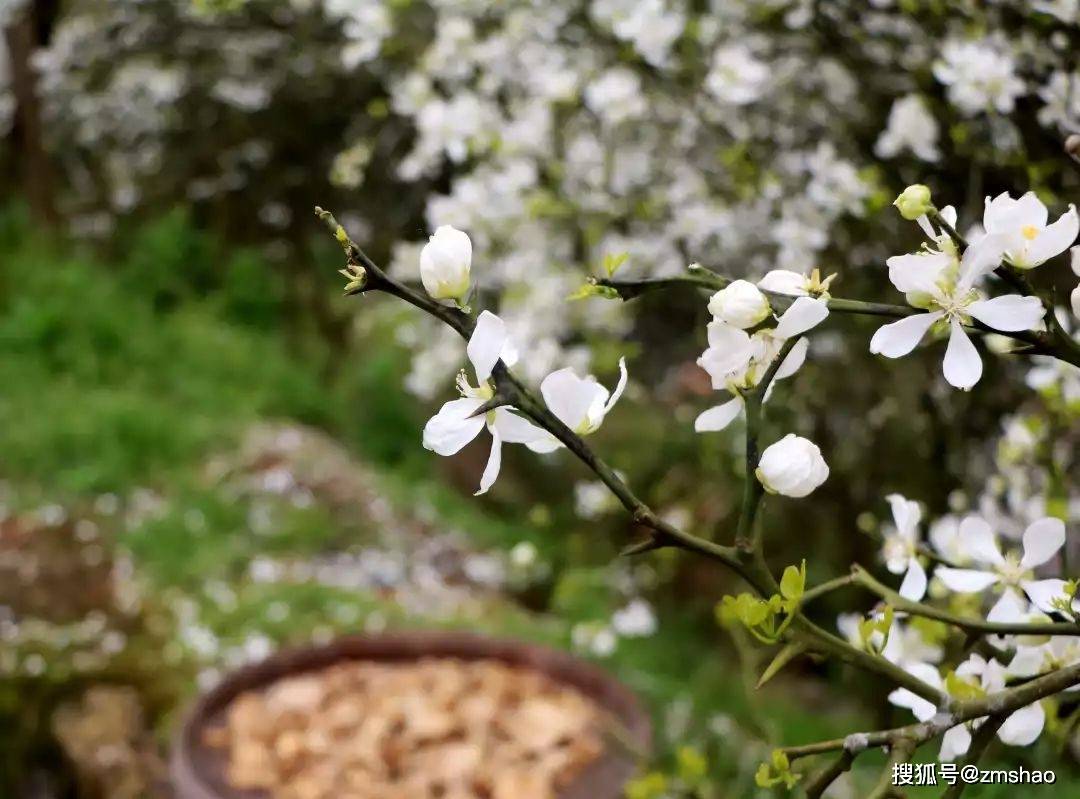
x,y
863,578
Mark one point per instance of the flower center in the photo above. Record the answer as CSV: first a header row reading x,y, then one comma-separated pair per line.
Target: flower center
x,y
483,391
1011,571
1029,232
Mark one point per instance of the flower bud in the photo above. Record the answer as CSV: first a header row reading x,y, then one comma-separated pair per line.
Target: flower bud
x,y
1075,299
914,202
792,466
740,304
445,262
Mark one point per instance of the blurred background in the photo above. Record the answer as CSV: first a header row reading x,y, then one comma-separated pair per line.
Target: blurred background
x,y
206,452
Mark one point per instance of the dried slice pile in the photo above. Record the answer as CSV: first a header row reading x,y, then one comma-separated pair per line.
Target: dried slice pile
x,y
439,728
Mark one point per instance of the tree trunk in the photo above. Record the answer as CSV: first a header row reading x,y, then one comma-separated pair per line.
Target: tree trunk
x,y
31,159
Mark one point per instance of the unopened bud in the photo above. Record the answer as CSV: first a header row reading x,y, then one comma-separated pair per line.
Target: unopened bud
x,y
914,202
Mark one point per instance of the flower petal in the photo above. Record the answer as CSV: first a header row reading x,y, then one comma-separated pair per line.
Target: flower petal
x,y
1055,239
1009,313
494,463
453,426
965,581
980,258
802,315
923,709
620,387
962,365
897,339
954,743
914,585
918,272
514,429
718,417
1042,540
1011,608
1024,726
1042,593
569,396
906,514
486,344
794,360
976,540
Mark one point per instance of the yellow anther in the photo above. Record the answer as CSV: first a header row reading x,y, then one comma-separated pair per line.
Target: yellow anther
x,y
1029,231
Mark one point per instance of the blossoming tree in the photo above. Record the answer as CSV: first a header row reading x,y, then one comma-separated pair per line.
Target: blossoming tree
x,y
1014,661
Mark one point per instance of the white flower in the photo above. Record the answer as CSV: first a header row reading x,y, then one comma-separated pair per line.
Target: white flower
x,y
456,424
1057,653
445,262
1028,241
980,76
1021,728
636,620
736,76
792,466
943,285
901,547
581,403
1041,541
740,304
910,126
736,360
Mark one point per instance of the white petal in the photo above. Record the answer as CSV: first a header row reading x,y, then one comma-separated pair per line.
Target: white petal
x,y
914,585
965,581
1029,661
976,540
923,709
919,272
783,281
1042,540
1010,312
730,350
906,514
1011,608
486,344
620,387
494,463
452,428
570,397
794,360
1056,238
803,314
897,339
962,365
1024,726
954,743
718,417
979,259
1043,592
514,429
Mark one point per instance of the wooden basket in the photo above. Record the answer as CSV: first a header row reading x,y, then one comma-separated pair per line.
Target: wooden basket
x,y
198,771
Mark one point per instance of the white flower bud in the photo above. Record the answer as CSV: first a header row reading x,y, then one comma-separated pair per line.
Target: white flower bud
x,y
740,304
1075,298
445,262
793,466
784,281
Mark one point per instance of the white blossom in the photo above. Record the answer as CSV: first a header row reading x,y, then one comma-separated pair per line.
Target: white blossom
x,y
900,547
943,284
912,127
1027,240
445,263
1014,572
737,76
581,403
456,423
740,304
792,466
980,76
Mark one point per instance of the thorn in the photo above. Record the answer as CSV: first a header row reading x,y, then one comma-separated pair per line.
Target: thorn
x,y
495,402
